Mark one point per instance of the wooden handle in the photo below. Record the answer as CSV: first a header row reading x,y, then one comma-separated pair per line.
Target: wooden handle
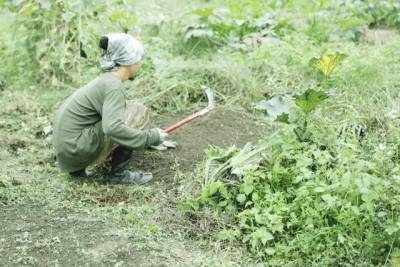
x,y
186,120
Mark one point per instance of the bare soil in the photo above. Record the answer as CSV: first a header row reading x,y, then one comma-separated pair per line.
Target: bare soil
x,y
33,236
221,127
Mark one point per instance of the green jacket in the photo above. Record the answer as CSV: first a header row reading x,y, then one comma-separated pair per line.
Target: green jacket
x,y
87,116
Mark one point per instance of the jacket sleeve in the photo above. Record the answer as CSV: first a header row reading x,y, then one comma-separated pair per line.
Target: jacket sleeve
x,y
113,124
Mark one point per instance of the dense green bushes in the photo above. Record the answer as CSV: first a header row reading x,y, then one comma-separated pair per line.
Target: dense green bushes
x,y
327,201
51,42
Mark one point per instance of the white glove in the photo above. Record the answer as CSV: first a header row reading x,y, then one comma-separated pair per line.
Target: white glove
x,y
169,144
163,134
165,145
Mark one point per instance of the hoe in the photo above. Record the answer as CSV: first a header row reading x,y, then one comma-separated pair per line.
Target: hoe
x,y
210,97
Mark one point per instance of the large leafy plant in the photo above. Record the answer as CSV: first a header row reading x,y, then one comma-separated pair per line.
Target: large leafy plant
x,y
305,199
58,35
232,24
293,109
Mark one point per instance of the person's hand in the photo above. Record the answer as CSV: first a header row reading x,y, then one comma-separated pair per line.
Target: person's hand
x,y
163,134
169,144
165,144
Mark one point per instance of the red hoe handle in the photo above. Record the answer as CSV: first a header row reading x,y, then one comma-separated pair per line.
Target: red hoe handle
x,y
210,97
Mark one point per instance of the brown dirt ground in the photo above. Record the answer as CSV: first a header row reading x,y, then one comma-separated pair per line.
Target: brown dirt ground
x,y
34,236
221,127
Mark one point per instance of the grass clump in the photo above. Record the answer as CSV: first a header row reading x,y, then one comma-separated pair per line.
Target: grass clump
x,y
175,85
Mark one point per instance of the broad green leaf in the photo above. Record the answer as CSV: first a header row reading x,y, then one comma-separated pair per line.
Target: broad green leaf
x,y
223,203
255,197
259,219
310,99
241,198
274,107
297,179
393,228
319,189
228,235
189,205
262,235
248,204
329,199
204,12
284,117
327,63
270,251
223,191
213,188
248,188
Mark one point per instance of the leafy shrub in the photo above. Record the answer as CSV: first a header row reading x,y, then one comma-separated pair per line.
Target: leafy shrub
x,y
238,22
383,13
345,19
306,201
57,35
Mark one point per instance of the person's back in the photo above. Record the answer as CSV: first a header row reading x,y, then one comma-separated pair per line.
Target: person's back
x,y
81,112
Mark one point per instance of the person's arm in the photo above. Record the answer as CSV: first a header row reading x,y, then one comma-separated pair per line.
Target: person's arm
x,y
113,124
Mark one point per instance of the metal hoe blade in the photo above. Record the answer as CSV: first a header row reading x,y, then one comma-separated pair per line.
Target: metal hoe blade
x,y
210,106
210,97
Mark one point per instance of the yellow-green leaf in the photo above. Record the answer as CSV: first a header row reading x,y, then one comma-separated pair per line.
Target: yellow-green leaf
x,y
327,63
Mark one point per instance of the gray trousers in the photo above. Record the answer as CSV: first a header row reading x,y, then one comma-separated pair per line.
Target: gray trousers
x,y
136,116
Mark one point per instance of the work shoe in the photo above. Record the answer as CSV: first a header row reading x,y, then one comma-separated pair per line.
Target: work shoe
x,y
82,174
128,177
119,173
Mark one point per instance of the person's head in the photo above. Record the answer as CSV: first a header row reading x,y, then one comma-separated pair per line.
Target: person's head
x,y
122,53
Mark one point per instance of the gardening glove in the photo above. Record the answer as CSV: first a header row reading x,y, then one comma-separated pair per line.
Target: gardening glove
x,y
163,134
167,144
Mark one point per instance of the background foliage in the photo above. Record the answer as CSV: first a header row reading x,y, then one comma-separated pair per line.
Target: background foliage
x,y
320,188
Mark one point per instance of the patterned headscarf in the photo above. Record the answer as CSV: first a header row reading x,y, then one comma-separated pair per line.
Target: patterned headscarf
x,y
123,49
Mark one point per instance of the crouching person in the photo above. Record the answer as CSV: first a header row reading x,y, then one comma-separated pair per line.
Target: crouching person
x,y
96,121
